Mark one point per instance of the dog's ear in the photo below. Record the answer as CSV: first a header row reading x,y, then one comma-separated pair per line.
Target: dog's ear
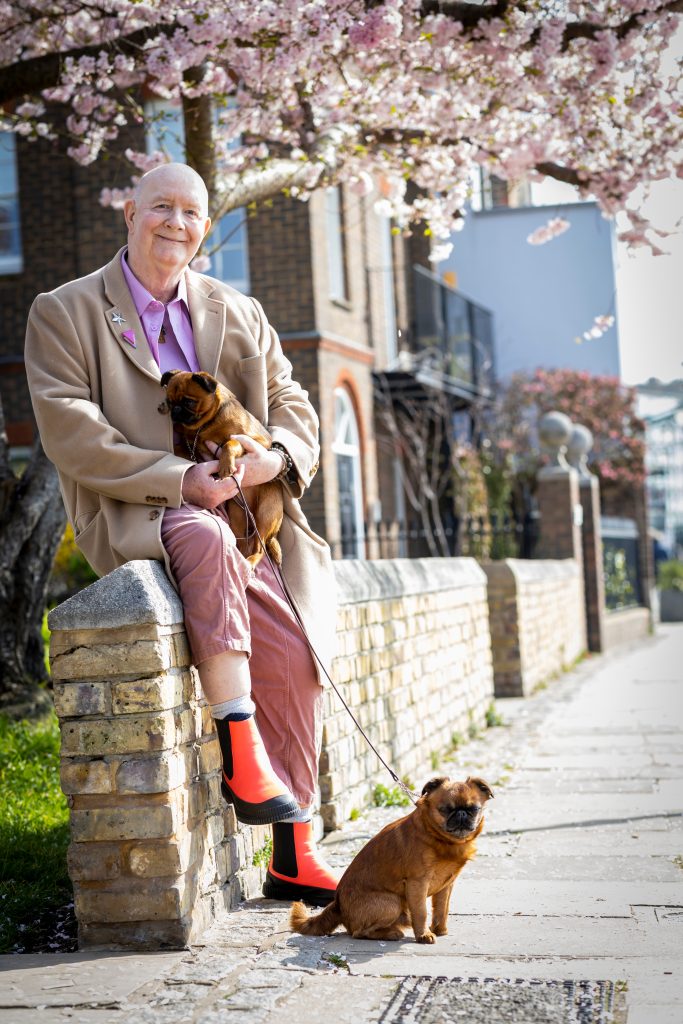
x,y
482,786
433,784
206,381
165,377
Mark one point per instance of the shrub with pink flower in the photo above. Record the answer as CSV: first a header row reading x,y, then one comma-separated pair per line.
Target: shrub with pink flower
x,y
603,404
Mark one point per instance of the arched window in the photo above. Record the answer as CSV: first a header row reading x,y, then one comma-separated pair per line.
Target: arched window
x,y
346,447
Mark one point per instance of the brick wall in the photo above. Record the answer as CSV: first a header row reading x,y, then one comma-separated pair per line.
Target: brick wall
x,y
537,621
414,663
154,850
65,234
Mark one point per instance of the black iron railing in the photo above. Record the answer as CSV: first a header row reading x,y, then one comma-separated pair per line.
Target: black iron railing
x,y
621,563
493,537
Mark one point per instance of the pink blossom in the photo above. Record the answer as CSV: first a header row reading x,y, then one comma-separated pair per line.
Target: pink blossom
x,y
556,226
201,263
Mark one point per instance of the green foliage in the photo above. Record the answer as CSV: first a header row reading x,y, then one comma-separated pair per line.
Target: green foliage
x,y
70,570
34,835
670,575
493,716
383,796
337,960
261,858
354,814
45,633
619,590
434,760
457,740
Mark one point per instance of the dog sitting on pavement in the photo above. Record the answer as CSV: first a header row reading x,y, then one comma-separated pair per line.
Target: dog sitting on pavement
x,y
385,888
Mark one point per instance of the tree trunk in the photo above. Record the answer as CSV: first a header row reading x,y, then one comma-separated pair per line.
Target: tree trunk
x,y
32,522
200,151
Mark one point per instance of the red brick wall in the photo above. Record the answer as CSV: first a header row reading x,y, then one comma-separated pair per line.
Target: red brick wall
x,y
65,234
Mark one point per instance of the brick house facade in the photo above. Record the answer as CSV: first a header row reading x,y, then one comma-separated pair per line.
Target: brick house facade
x,y
334,341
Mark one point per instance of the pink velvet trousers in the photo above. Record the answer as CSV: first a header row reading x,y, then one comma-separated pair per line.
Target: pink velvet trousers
x,y
229,607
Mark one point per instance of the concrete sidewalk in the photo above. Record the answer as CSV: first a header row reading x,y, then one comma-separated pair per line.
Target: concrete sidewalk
x,y
571,912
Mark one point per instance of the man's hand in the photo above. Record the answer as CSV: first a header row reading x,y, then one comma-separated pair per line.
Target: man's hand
x,y
257,466
260,464
202,487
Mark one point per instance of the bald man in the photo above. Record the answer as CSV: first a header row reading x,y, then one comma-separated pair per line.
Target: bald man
x,y
96,349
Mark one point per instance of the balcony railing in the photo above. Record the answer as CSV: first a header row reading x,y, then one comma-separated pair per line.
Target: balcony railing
x,y
457,333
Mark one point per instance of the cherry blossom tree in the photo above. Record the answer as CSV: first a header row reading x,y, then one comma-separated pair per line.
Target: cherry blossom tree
x,y
402,99
295,94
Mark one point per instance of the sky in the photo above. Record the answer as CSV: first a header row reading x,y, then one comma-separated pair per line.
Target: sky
x,y
650,295
649,288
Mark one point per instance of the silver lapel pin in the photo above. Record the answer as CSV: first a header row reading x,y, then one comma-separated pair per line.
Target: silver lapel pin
x,y
118,319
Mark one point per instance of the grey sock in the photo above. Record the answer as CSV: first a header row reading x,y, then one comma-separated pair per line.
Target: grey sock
x,y
239,706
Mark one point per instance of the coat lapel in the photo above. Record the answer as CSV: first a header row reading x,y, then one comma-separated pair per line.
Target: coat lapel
x,y
208,321
122,319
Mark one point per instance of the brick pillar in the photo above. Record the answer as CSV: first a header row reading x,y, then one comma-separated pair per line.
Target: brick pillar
x,y
560,512
154,850
593,575
560,516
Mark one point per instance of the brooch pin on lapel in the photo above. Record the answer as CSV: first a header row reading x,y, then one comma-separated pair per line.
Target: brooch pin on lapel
x,y
116,318
130,338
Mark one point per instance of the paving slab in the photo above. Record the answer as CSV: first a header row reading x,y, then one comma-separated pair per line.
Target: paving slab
x,y
86,979
538,898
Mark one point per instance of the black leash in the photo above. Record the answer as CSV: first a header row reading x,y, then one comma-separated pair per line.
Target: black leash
x,y
277,572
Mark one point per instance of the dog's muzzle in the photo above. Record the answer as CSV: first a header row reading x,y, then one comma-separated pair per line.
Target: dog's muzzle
x,y
180,415
463,820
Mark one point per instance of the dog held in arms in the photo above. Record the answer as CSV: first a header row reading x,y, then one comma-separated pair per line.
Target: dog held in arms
x,y
203,410
385,888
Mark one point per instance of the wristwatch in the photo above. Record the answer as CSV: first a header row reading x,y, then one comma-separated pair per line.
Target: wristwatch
x,y
288,471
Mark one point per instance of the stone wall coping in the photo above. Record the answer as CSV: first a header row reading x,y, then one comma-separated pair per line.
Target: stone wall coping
x,y
401,577
531,570
135,593
534,570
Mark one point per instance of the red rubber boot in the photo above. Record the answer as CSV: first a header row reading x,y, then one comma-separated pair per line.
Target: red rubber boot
x,y
249,782
296,870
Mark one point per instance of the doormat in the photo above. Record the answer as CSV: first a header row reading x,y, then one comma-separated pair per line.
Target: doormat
x,y
493,1000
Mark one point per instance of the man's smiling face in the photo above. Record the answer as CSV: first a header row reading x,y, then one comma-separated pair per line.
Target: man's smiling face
x,y
167,221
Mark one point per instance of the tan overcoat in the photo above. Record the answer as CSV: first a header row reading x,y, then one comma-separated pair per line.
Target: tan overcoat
x,y
96,400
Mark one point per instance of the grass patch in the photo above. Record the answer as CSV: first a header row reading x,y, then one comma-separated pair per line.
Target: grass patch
x,y
337,960
494,719
383,796
36,913
261,858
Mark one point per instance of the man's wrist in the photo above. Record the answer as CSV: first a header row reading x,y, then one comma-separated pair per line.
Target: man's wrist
x,y
288,471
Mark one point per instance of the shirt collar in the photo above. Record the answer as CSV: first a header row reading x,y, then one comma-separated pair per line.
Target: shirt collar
x,y
141,297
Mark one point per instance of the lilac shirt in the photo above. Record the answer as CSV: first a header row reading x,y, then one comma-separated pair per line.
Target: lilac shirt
x,y
178,351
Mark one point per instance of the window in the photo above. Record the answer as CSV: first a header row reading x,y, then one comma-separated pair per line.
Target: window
x,y
230,262
336,262
11,260
346,448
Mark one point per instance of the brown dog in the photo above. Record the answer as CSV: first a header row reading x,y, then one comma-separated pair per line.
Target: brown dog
x,y
203,410
385,887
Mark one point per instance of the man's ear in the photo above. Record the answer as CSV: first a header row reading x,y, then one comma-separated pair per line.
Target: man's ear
x,y
129,212
165,377
433,784
480,785
206,381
